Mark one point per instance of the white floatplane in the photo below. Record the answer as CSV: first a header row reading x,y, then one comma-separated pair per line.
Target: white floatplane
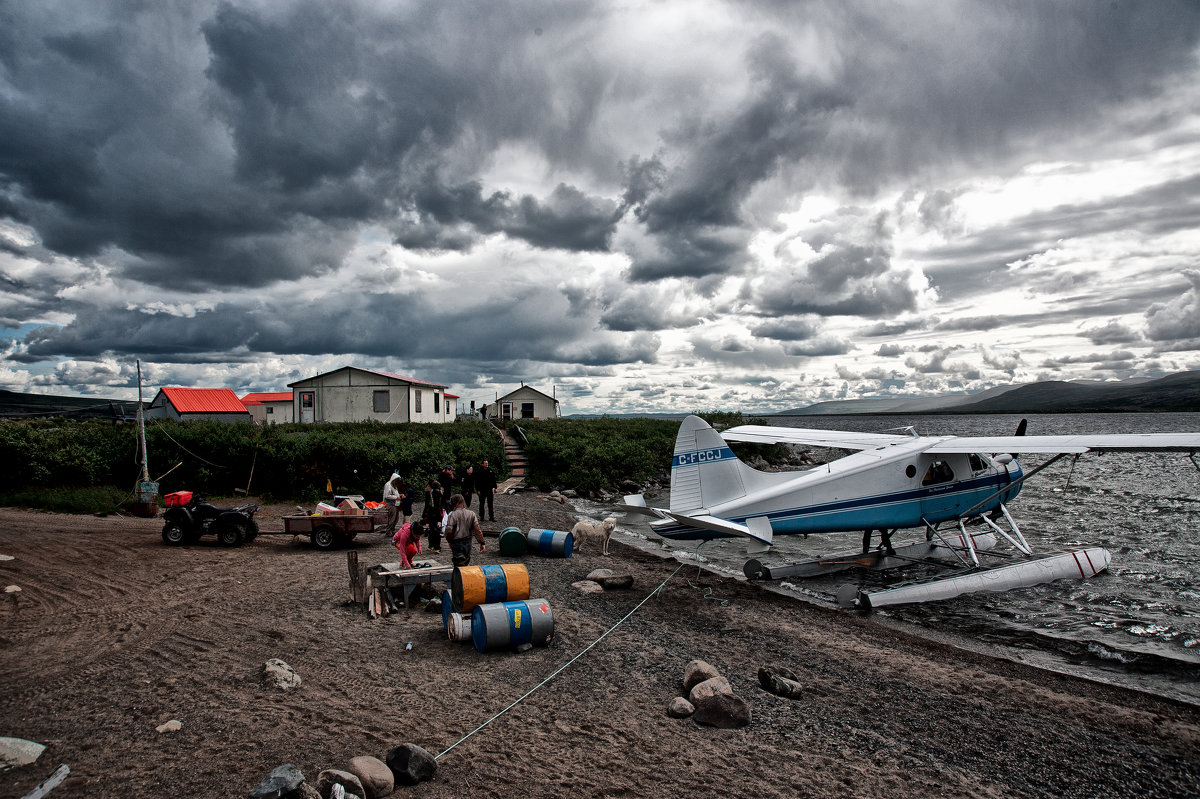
x,y
891,482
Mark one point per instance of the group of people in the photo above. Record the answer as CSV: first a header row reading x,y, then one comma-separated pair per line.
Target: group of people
x,y
445,514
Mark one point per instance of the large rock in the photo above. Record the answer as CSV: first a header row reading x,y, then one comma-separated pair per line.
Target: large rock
x,y
18,752
332,776
376,778
280,674
597,575
617,583
726,711
710,687
680,708
588,586
410,764
697,671
780,681
283,781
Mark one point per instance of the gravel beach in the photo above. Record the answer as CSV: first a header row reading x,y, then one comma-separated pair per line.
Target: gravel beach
x,y
112,634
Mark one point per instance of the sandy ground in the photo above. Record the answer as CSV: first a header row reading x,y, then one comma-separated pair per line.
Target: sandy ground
x,y
114,633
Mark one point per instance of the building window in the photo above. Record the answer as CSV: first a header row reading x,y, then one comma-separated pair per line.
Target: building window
x,y
382,401
417,401
526,410
306,400
437,405
270,410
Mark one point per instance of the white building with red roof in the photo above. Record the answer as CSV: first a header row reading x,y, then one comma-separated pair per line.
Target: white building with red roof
x,y
352,394
220,404
270,407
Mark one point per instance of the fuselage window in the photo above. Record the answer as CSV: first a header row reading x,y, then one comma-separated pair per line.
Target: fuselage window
x,y
939,472
977,464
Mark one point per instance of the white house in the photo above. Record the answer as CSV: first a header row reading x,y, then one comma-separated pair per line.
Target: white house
x,y
270,407
524,403
351,394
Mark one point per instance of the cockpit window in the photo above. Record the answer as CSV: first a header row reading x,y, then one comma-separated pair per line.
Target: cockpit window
x,y
977,464
939,472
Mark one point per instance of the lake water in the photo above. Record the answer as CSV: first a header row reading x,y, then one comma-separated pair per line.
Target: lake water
x,y
1137,624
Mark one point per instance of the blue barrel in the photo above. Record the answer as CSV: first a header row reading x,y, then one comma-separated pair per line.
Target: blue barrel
x,y
447,609
508,625
552,543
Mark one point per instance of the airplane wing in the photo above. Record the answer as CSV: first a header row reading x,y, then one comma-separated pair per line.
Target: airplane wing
x,y
840,439
1114,442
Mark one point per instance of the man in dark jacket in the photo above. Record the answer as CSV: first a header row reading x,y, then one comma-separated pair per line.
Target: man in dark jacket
x,y
485,484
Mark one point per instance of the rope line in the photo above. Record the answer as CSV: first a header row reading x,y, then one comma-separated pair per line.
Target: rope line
x,y
557,671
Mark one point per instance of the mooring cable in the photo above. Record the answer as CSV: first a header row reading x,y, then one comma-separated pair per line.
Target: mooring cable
x,y
557,671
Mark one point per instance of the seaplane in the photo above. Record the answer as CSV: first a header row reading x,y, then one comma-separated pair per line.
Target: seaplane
x,y
956,489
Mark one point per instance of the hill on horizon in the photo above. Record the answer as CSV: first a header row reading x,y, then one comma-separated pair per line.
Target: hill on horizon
x,y
1176,392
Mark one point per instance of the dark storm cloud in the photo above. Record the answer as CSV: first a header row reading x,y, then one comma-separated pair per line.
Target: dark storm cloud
x,y
369,325
787,329
1112,333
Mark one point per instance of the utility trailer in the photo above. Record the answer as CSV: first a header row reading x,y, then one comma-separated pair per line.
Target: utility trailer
x,y
327,532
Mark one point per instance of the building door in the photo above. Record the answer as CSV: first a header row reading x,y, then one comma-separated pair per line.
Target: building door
x,y
506,410
307,413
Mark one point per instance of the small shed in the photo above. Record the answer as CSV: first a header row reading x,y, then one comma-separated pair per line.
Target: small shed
x,y
185,404
270,407
353,394
524,403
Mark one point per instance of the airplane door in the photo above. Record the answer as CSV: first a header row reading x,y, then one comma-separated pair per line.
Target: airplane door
x,y
938,499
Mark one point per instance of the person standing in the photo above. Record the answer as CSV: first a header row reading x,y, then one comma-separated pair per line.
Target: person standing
x,y
485,484
407,496
432,515
391,498
447,479
461,525
468,485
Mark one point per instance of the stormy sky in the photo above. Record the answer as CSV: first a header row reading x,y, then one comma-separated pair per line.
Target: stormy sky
x,y
638,206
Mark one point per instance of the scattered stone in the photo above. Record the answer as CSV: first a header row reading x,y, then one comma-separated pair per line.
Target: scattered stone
x,y
332,776
376,778
410,764
617,583
16,752
780,681
697,671
283,781
6,557
525,647
12,589
710,687
589,587
680,708
725,711
280,674
174,725
600,574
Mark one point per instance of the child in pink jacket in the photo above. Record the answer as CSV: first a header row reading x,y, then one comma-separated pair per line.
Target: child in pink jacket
x,y
408,544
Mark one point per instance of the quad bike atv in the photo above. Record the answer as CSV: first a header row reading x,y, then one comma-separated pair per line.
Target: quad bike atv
x,y
185,523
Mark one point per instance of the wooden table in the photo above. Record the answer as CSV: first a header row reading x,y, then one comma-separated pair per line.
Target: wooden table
x,y
390,575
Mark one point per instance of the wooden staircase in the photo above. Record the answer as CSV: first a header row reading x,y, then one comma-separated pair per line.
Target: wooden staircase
x,y
516,461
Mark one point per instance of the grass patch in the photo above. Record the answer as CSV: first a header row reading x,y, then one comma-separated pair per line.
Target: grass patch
x,y
92,499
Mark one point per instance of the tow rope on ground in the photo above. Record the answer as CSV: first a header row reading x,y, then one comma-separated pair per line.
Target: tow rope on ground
x,y
559,670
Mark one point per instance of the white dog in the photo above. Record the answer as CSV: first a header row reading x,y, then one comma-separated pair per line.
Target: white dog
x,y
601,531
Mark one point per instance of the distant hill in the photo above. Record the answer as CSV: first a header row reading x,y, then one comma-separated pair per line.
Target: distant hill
x,y
14,405
1177,392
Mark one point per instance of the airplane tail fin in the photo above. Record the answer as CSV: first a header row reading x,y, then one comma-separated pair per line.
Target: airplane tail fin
x,y
704,470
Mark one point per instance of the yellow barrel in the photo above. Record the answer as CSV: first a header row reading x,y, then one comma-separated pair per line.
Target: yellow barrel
x,y
479,585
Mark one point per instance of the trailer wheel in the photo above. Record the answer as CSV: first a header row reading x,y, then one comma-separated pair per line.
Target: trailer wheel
x,y
173,534
230,535
324,537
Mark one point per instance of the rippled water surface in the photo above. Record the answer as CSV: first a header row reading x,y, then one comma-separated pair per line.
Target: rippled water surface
x,y
1137,624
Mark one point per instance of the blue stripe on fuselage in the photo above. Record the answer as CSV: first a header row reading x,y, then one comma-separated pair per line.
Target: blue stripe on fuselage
x,y
896,510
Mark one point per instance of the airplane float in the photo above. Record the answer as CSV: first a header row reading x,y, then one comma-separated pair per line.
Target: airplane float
x,y
940,484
